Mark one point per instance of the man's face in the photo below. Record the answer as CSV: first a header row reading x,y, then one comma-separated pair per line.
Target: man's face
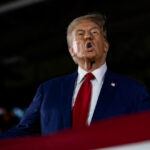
x,y
88,42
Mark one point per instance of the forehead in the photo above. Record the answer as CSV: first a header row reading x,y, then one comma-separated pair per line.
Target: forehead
x,y
86,24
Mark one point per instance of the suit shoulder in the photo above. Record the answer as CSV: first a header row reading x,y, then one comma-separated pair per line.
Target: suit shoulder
x,y
126,80
60,79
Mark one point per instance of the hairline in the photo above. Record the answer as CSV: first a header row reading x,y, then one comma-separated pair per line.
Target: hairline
x,y
98,19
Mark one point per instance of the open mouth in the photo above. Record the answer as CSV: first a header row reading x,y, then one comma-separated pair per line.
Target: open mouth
x,y
89,46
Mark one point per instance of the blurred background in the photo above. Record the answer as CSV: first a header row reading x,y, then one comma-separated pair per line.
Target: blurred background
x,y
33,46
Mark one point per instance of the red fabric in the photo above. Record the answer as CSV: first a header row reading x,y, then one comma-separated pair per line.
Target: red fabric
x,y
82,103
112,132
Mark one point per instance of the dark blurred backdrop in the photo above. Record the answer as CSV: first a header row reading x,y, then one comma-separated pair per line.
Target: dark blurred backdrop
x,y
33,43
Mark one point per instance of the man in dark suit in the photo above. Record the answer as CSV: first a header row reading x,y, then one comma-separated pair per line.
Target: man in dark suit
x,y
58,104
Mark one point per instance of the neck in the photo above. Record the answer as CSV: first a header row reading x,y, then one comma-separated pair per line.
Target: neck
x,y
90,66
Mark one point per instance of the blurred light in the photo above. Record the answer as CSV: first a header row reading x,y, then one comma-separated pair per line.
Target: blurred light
x,y
13,59
17,4
18,112
3,111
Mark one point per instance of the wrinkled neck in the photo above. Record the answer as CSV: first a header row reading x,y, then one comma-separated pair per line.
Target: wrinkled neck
x,y
90,65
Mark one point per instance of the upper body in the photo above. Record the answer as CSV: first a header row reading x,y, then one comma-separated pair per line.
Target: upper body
x,y
114,95
51,108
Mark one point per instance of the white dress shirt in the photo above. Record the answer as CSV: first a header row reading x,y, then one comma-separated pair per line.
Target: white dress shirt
x,y
96,87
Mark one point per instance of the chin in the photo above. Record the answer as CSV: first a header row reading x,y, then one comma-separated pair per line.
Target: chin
x,y
91,56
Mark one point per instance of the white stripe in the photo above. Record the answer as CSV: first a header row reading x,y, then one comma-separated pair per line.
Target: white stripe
x,y
134,146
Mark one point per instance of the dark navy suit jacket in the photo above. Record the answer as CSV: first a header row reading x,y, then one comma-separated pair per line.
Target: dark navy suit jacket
x,y
51,108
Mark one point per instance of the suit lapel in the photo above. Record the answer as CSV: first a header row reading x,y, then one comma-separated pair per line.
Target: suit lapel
x,y
106,96
67,93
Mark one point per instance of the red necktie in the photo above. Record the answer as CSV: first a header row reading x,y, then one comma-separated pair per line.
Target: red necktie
x,y
82,103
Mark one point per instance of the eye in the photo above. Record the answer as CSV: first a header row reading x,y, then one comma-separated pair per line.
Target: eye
x,y
94,31
80,33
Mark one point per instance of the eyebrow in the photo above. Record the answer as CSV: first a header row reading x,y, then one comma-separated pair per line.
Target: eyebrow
x,y
94,28
81,30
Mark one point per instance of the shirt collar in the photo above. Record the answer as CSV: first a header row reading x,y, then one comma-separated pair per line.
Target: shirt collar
x,y
98,73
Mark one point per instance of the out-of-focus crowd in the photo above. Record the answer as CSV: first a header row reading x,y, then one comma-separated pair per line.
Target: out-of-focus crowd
x,y
10,117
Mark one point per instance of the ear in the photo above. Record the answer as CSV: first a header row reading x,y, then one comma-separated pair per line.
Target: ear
x,y
106,46
71,51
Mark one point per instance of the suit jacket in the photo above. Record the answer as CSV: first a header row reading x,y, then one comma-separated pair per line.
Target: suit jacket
x,y
51,108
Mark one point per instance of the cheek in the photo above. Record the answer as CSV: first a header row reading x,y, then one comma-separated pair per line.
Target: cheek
x,y
100,45
75,46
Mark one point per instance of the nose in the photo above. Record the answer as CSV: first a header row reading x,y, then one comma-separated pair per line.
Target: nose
x,y
88,36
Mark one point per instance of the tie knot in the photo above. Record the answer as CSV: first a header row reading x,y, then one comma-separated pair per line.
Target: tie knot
x,y
89,76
